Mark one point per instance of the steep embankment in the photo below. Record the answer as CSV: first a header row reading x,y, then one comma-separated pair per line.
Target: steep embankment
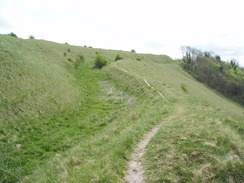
x,y
34,79
204,143
66,123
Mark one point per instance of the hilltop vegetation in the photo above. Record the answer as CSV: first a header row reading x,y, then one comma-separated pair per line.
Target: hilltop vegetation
x,y
51,99
227,78
61,120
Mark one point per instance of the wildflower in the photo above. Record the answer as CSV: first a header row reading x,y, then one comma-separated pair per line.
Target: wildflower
x,y
152,145
123,171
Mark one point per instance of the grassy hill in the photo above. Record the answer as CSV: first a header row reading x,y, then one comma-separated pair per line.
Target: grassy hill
x,y
63,122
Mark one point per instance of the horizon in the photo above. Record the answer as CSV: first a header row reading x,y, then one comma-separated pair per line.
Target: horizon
x,y
158,27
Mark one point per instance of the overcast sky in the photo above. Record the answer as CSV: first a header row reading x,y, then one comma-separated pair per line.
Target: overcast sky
x,y
148,26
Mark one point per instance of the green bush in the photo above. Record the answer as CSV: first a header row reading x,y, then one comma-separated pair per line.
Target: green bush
x,y
31,37
12,34
118,57
100,61
133,51
138,59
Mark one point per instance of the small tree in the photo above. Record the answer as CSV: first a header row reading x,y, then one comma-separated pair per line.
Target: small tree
x,y
31,37
217,57
133,51
234,63
100,61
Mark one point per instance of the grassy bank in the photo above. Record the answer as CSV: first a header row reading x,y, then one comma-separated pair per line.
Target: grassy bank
x,y
202,145
26,143
62,121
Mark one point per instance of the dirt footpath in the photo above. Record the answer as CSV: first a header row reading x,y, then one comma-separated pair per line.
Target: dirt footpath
x,y
135,173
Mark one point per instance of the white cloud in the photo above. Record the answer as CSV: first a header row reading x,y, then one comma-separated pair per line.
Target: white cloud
x,y
156,26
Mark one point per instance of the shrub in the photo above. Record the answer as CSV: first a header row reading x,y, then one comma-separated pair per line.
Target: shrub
x,y
133,51
31,37
65,54
12,34
118,57
69,50
69,59
100,61
138,59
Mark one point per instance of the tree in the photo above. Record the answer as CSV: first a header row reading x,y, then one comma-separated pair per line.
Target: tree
x,y
190,54
31,37
234,63
207,54
217,57
133,51
208,68
221,68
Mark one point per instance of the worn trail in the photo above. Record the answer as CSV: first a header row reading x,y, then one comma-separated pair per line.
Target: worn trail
x,y
135,173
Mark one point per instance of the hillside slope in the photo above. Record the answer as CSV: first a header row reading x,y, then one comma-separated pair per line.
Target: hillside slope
x,y
62,123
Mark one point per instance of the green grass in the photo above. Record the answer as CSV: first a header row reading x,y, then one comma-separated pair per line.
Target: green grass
x,y
48,105
41,138
63,122
199,146
102,157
